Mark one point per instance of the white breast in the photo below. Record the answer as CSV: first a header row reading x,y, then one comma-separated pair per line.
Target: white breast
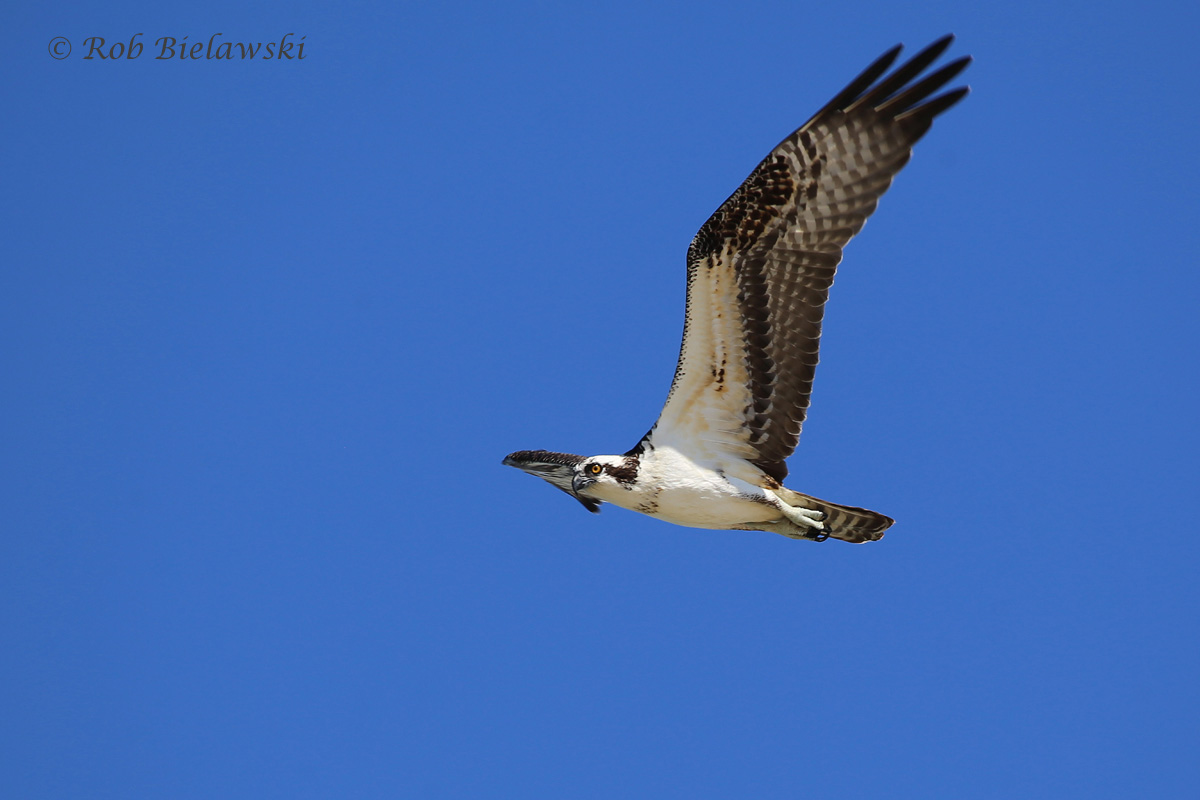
x,y
673,488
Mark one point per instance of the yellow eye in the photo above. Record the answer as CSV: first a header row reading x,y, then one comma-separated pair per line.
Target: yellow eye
x,y
595,469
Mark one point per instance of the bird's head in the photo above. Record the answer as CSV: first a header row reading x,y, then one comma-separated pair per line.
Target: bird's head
x,y
585,479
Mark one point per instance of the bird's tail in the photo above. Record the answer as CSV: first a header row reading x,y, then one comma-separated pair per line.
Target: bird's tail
x,y
847,523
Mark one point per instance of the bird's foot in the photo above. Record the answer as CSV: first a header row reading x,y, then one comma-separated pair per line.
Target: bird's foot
x,y
806,518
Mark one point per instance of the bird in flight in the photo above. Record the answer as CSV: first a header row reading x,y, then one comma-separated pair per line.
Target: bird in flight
x,y
758,276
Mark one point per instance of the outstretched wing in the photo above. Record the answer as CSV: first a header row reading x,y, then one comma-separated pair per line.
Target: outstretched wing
x,y
759,270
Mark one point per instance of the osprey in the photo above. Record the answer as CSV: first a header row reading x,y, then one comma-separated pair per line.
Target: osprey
x,y
758,276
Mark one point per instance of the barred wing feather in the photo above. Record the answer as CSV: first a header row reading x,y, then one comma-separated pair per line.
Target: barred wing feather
x,y
759,270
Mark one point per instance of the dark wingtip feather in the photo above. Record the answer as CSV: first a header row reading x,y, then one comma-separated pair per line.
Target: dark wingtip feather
x,y
906,72
910,97
892,94
863,82
935,106
942,43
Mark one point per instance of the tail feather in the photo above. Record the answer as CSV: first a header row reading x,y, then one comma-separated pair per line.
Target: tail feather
x,y
848,523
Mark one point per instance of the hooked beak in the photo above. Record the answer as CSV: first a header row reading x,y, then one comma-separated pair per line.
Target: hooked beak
x,y
558,469
581,482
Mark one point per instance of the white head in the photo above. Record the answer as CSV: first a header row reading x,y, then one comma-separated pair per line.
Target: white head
x,y
589,480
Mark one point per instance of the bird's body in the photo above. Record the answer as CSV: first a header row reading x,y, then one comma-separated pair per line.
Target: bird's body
x,y
697,493
759,273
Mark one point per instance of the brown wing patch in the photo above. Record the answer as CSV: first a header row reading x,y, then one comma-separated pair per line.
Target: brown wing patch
x,y
743,218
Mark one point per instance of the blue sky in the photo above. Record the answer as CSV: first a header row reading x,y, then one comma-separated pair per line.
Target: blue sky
x,y
269,328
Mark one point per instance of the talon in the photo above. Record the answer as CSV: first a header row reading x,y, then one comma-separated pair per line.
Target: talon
x,y
804,517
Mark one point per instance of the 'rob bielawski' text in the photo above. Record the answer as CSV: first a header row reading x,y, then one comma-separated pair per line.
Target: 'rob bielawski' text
x,y
168,47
